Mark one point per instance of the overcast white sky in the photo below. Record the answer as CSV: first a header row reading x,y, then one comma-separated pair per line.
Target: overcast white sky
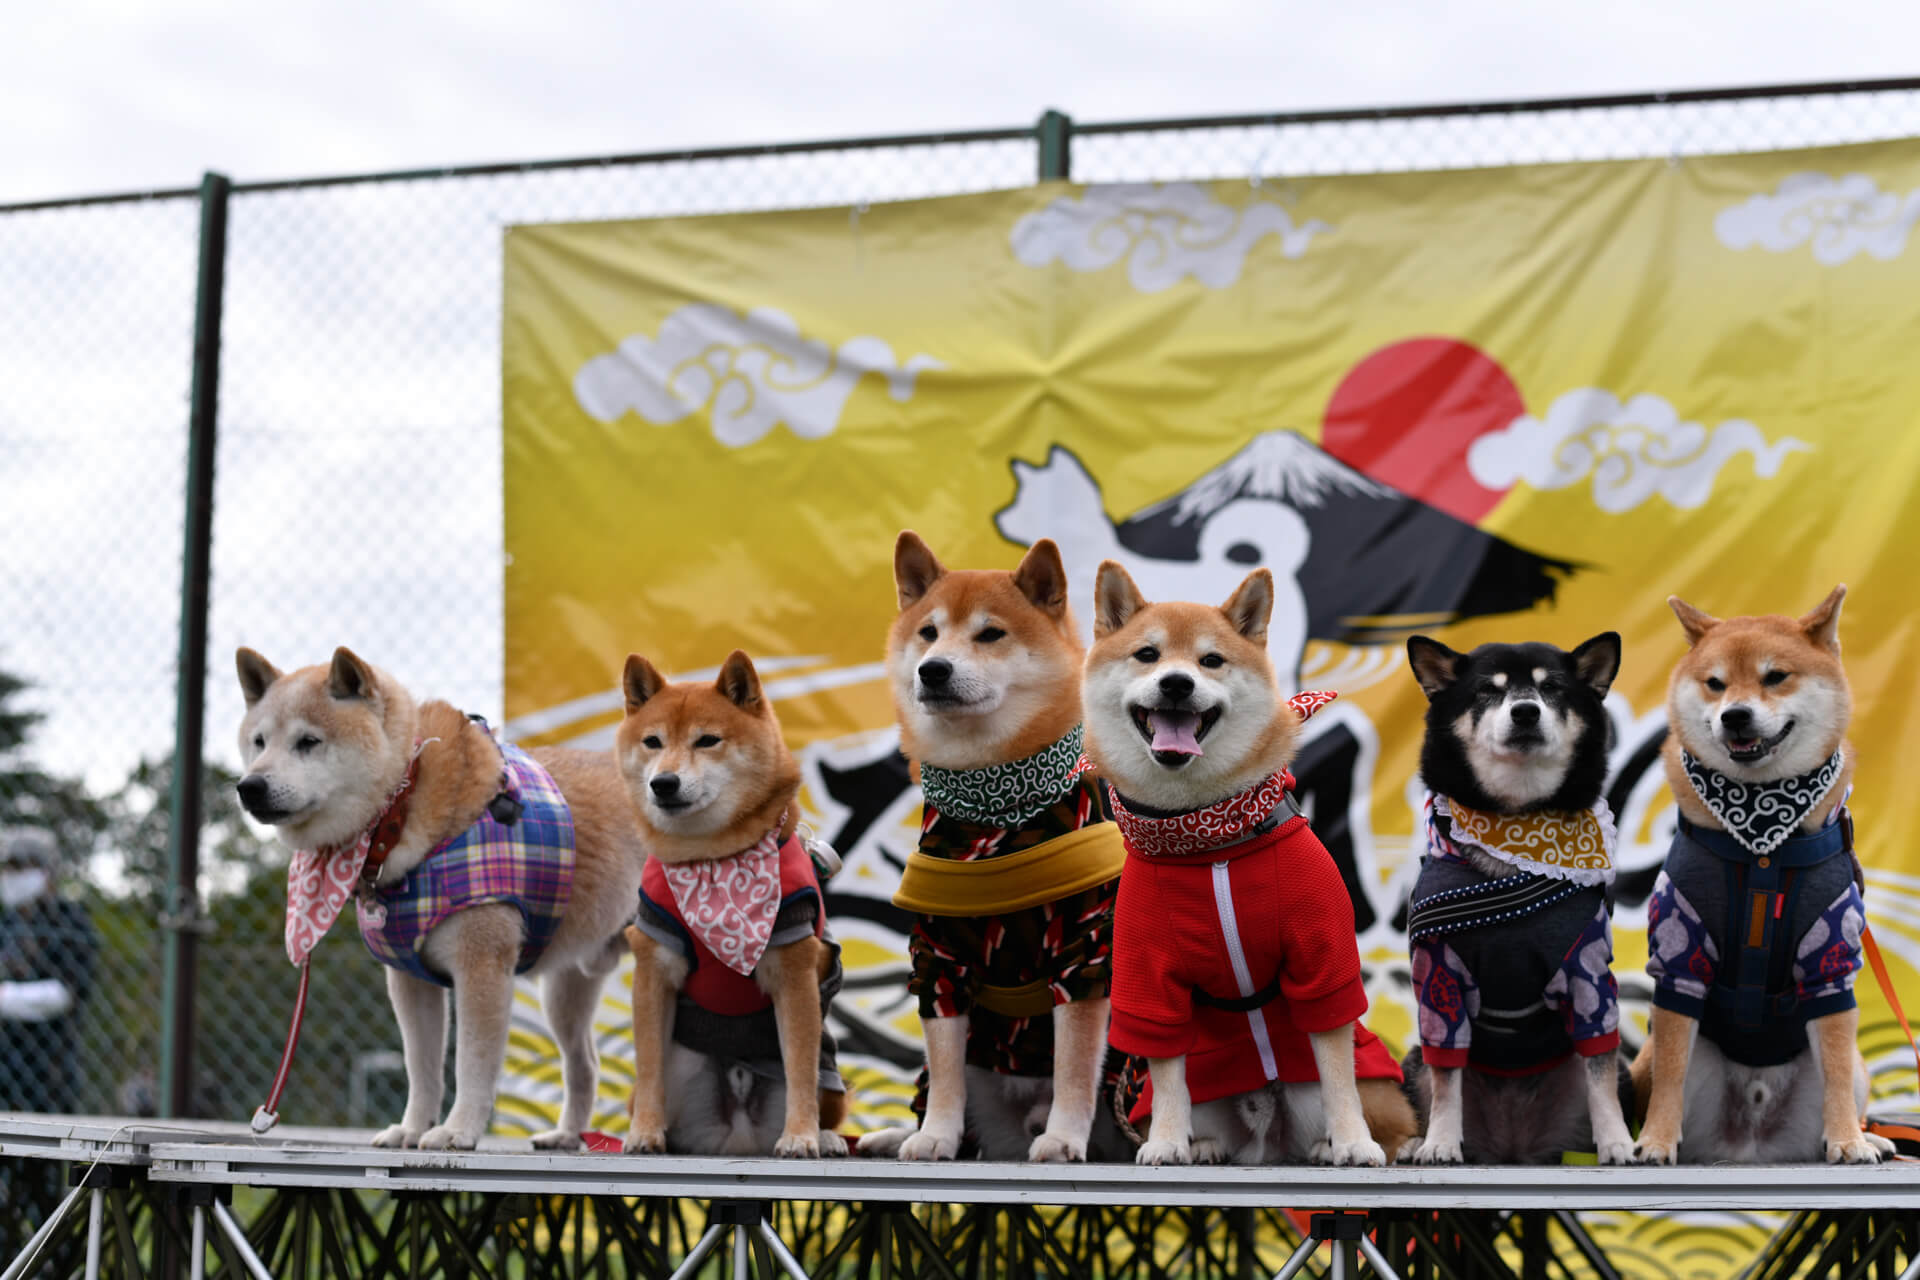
x,y
107,95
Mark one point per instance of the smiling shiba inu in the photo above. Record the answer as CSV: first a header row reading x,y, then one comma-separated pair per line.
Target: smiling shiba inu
x,y
471,861
1013,880
733,965
1754,928
1509,923
1236,970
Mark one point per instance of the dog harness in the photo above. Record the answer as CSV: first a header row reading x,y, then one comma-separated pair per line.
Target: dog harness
x,y
721,1011
1756,930
1233,940
526,862
1513,973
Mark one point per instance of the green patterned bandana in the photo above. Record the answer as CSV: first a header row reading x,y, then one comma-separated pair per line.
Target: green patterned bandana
x,y
1004,795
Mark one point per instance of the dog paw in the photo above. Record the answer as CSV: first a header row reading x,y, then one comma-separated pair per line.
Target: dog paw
x,y
558,1140
1855,1150
397,1135
798,1146
653,1143
1441,1152
1209,1151
444,1137
1615,1153
1054,1148
832,1145
1656,1151
1407,1151
884,1143
1155,1151
1883,1145
1364,1152
930,1145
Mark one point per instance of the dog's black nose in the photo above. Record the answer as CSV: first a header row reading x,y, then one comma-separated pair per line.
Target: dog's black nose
x,y
666,785
1526,714
1736,720
253,790
1176,684
935,672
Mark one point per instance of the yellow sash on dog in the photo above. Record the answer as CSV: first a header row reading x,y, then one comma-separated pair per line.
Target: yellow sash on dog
x,y
1566,846
1063,865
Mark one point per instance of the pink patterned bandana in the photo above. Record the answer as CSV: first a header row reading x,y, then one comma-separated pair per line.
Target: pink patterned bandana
x,y
731,903
1221,823
319,882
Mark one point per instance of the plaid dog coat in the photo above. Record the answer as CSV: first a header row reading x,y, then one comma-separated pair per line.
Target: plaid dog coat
x,y
528,864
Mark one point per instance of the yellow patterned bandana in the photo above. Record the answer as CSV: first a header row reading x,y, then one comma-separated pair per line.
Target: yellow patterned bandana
x,y
1566,846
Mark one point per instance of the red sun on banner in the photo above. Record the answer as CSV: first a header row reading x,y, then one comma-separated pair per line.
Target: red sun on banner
x,y
1407,414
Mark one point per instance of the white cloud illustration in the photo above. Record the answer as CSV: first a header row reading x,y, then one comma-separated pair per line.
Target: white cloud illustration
x,y
752,372
1165,232
1841,216
1630,451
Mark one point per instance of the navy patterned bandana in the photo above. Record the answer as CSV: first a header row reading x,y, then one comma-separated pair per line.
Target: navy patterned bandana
x,y
1760,815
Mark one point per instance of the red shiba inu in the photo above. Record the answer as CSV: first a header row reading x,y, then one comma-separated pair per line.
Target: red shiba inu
x,y
1013,880
733,965
471,861
1236,970
1754,927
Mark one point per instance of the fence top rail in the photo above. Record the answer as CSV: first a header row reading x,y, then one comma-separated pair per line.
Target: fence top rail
x,y
1018,133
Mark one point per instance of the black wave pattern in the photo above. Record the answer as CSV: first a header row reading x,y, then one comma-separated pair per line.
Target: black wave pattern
x,y
1380,565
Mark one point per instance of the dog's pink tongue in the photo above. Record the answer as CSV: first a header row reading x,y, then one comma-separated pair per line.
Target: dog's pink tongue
x,y
1174,731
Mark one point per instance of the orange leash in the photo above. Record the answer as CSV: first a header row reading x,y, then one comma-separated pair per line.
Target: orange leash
x,y
1881,976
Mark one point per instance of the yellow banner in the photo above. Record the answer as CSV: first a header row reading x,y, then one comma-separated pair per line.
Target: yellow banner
x,y
1501,404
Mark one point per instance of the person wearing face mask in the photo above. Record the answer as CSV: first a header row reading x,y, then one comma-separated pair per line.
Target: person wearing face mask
x,y
47,949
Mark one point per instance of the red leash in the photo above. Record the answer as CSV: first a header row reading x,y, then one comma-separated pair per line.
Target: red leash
x,y
269,1114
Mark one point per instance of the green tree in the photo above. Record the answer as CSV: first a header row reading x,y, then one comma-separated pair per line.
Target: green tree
x,y
31,795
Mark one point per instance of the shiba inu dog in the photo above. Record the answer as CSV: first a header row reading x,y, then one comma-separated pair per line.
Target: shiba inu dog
x,y
471,861
1509,921
1236,970
1754,927
733,964
1013,880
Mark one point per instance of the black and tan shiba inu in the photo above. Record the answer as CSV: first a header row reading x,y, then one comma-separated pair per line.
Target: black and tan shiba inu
x,y
1510,920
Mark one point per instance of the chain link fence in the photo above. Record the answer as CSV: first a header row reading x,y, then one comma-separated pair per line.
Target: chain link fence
x,y
358,502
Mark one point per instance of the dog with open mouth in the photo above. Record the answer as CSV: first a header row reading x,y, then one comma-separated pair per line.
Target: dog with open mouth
x,y
1755,924
1510,921
1236,967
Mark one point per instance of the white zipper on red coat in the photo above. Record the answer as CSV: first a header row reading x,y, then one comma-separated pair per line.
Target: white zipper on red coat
x,y
1242,976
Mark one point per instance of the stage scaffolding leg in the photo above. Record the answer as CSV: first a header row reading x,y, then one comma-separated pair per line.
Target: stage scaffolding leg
x,y
1298,1260
224,1218
96,1222
700,1252
18,1266
742,1269
1913,1268
788,1263
197,1269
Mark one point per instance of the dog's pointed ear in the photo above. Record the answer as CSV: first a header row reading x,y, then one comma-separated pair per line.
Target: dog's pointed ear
x,y
739,683
1115,599
1692,621
256,674
915,568
1434,665
349,677
1597,661
1823,624
1042,578
639,681
1250,607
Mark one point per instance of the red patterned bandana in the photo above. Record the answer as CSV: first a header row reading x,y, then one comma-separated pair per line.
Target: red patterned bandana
x,y
319,881
1222,823
731,902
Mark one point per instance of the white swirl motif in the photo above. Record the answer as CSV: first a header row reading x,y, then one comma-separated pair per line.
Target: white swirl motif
x,y
319,882
1761,815
1842,217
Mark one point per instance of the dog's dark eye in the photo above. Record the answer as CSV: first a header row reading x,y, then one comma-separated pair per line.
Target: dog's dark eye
x,y
1716,684
1213,660
706,740
1775,677
987,635
929,632
651,742
1147,653
307,742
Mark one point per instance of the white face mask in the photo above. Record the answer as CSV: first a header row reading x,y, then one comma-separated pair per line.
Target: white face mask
x,y
18,888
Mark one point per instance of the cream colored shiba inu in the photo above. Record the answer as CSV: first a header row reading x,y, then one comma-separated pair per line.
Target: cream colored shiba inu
x,y
1754,926
471,862
1236,970
733,964
1013,880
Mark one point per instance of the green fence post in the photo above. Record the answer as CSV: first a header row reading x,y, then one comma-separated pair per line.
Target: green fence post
x,y
181,918
1055,131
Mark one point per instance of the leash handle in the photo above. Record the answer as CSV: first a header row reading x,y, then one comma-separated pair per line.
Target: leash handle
x,y
268,1115
1881,976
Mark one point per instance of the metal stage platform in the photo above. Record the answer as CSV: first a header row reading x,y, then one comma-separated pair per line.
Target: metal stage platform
x,y
307,1202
